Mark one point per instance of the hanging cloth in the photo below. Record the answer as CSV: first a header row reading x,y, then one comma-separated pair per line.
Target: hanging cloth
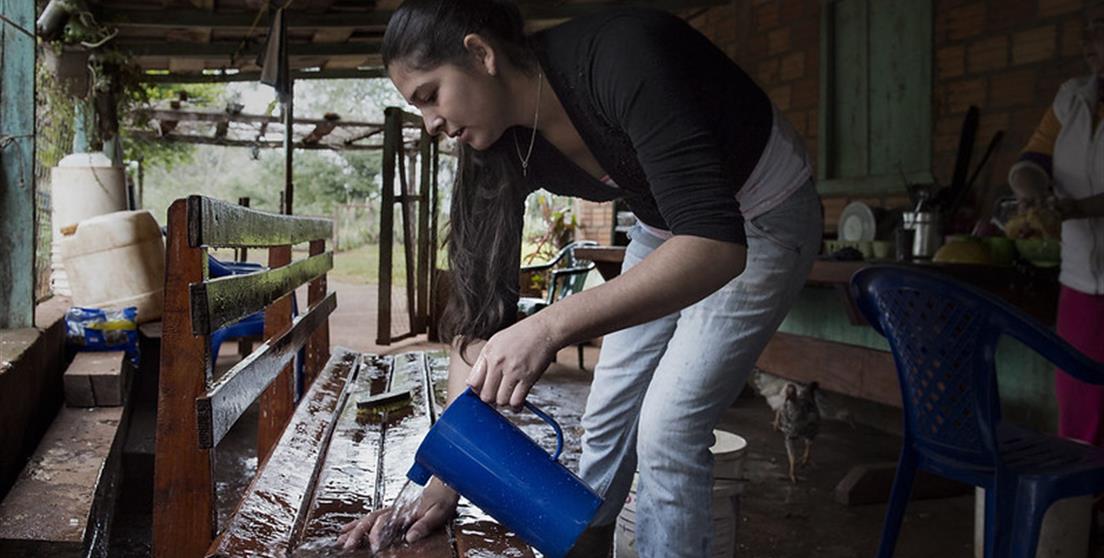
x,y
273,59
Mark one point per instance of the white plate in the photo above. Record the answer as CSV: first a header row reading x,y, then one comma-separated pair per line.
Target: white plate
x,y
857,222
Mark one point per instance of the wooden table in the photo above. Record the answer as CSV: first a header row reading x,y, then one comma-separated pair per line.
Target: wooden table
x,y
606,258
860,371
1031,289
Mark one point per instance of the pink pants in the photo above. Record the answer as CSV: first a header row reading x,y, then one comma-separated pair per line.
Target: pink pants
x,y
1081,405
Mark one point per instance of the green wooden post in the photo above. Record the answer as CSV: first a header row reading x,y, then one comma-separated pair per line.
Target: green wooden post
x,y
17,127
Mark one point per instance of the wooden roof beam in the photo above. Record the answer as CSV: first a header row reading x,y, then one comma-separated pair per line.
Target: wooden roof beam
x,y
249,51
534,10
148,135
322,129
223,116
224,77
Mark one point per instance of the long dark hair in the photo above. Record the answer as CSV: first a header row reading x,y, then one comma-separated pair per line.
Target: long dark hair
x,y
484,239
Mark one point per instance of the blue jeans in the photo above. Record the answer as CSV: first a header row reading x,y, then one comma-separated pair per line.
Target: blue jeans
x,y
661,387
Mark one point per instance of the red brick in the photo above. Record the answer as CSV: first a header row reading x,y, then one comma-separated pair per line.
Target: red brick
x,y
793,66
1011,15
757,45
724,32
781,96
1013,88
959,95
950,61
989,124
943,6
805,34
1049,8
812,129
767,72
1036,45
947,131
805,94
737,53
796,9
1072,32
988,54
778,41
966,21
1052,76
766,16
1003,160
798,120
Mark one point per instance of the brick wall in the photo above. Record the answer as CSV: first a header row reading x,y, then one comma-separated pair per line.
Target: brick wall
x,y
1006,56
777,43
595,221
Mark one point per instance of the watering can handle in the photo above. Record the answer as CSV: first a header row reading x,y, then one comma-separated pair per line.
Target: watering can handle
x,y
551,422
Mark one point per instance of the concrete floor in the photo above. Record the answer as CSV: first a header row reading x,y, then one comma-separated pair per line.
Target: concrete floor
x,y
777,518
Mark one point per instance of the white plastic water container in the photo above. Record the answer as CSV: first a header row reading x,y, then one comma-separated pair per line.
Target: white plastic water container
x,y
82,185
729,452
117,260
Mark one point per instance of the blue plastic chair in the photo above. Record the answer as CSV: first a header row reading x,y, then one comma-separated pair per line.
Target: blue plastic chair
x,y
568,277
251,325
944,335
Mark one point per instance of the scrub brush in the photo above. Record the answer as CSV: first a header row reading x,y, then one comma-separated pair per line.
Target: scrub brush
x,y
376,407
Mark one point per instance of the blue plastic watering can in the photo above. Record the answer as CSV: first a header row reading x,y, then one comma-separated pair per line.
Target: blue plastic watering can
x,y
483,456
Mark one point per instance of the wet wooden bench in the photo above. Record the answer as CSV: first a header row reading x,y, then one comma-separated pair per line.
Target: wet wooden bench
x,y
334,466
320,466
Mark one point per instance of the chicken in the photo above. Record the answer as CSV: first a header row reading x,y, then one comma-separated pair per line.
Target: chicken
x,y
798,417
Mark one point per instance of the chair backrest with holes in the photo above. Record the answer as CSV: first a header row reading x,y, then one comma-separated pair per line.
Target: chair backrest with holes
x,y
943,336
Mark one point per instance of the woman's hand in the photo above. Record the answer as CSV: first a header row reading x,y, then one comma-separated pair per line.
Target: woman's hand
x,y
435,507
512,361
1031,186
1067,208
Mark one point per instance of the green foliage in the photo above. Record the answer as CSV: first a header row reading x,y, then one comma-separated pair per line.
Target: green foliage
x,y
165,154
55,117
554,229
353,99
325,178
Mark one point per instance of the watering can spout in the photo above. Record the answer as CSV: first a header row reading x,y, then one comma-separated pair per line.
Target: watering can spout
x,y
418,474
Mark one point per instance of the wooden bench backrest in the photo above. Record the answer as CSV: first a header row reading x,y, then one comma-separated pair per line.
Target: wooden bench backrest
x,y
195,412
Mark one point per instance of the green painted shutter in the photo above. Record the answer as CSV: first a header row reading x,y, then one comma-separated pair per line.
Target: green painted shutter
x,y
876,88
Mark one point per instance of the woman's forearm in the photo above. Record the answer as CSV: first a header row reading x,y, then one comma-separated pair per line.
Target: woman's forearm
x,y
460,367
682,271
1091,207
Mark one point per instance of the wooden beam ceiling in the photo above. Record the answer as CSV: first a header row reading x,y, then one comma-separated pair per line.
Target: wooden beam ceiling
x,y
225,77
248,51
533,10
341,41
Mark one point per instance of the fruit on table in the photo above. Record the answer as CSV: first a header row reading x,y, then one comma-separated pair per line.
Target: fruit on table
x,y
1042,252
964,251
1036,222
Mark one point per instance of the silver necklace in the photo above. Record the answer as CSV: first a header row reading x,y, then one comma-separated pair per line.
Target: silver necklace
x,y
532,138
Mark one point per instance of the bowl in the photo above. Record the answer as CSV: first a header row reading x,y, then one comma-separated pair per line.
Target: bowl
x,y
963,251
1041,252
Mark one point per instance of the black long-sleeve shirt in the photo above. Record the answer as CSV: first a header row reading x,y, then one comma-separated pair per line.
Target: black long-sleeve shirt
x,y
678,126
